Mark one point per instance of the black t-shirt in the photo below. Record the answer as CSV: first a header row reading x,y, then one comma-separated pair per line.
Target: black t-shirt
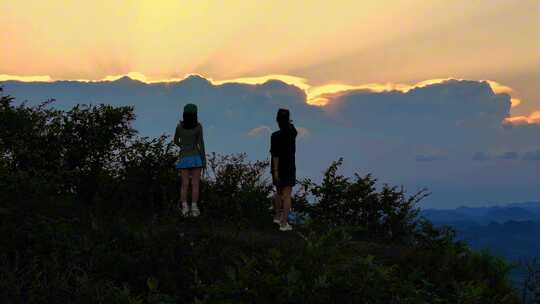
x,y
283,146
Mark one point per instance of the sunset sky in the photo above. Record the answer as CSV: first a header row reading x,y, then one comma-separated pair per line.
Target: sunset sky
x,y
318,44
438,94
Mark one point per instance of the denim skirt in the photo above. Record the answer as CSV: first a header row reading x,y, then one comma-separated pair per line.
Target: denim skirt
x,y
189,162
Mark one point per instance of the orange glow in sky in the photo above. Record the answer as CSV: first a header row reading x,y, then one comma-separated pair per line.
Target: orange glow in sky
x,y
329,46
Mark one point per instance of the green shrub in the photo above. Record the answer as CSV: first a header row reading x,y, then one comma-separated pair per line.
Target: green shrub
x,y
342,201
237,190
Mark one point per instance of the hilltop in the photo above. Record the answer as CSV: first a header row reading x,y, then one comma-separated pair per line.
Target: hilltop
x,y
88,216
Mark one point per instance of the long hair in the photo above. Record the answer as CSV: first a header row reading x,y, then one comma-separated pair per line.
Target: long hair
x,y
190,120
283,119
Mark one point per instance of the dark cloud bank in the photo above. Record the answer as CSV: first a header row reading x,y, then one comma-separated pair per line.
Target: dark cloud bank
x,y
449,137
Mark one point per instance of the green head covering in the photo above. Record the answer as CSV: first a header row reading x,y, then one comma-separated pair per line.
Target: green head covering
x,y
190,108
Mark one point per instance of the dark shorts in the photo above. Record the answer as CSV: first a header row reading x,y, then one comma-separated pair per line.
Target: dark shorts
x,y
287,179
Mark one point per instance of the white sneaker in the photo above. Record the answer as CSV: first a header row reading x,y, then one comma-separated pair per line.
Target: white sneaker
x,y
285,227
185,209
195,210
277,220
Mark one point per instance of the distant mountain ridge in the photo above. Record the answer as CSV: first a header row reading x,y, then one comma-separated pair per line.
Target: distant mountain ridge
x,y
511,230
527,211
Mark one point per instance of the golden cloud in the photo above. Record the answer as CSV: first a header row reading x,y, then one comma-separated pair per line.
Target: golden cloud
x,y
533,118
43,78
318,95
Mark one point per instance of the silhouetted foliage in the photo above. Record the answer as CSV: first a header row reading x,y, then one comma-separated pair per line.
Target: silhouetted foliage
x,y
530,292
237,189
52,152
340,200
87,216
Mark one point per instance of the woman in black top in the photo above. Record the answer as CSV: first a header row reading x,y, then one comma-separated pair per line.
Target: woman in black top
x,y
282,150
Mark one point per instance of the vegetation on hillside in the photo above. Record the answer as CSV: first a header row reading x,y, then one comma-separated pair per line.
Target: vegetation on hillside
x,y
87,216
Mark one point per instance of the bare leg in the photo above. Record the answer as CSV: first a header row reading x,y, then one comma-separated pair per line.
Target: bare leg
x,y
195,182
278,205
184,173
286,200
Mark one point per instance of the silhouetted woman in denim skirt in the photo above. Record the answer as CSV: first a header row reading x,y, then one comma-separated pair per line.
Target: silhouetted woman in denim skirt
x,y
189,137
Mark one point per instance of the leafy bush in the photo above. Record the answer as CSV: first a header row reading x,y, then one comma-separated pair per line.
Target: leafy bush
x,y
53,153
340,201
530,292
237,189
143,177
